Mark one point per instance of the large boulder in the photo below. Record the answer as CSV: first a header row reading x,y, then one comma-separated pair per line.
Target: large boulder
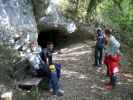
x,y
49,15
17,22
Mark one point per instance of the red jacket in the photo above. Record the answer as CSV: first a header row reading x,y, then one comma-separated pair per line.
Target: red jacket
x,y
112,63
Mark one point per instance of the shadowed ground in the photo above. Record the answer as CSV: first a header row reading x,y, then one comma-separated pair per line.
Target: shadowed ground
x,y
80,80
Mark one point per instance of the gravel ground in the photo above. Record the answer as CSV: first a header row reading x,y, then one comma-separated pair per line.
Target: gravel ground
x,y
80,80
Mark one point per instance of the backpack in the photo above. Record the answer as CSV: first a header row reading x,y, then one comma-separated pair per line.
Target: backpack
x,y
100,40
58,69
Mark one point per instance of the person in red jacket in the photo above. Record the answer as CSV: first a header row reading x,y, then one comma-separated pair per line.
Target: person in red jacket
x,y
112,63
112,58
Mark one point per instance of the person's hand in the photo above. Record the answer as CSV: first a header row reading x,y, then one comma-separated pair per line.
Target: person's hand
x,y
108,54
118,51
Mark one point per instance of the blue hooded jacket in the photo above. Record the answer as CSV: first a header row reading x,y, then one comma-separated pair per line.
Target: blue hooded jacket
x,y
100,39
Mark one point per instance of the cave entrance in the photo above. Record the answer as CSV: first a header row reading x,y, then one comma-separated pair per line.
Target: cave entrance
x,y
55,36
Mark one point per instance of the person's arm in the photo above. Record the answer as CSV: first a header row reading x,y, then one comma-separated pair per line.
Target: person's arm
x,y
114,42
45,56
47,61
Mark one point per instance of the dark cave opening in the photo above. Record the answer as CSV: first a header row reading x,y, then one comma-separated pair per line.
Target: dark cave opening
x,y
54,35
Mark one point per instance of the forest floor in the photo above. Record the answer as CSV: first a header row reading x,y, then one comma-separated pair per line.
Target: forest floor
x,y
80,81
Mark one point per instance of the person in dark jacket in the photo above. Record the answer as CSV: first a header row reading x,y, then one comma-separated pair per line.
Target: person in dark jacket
x,y
46,53
99,49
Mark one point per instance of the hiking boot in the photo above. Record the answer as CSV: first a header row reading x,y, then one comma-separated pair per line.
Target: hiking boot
x,y
99,69
60,93
61,90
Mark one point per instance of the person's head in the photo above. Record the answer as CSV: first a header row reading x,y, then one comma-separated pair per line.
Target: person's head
x,y
52,68
33,46
99,30
50,45
108,33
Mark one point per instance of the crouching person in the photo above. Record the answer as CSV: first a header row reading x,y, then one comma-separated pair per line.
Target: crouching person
x,y
39,68
112,62
54,80
112,58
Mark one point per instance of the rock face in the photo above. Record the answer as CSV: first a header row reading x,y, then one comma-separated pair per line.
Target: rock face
x,y
49,15
17,22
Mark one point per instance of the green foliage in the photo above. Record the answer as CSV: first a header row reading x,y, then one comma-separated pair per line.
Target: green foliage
x,y
119,15
8,58
74,9
92,5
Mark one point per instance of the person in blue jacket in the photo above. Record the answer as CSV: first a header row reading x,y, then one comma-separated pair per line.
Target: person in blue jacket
x,y
54,80
99,49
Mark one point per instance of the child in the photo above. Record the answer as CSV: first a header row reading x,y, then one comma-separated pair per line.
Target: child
x,y
112,58
54,80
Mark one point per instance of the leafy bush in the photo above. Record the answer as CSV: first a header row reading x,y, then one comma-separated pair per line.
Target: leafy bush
x,y
119,15
8,58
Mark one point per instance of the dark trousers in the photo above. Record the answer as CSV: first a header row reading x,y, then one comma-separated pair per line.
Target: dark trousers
x,y
50,60
43,71
113,80
98,56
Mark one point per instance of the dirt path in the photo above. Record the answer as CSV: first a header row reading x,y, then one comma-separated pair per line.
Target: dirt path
x,y
81,81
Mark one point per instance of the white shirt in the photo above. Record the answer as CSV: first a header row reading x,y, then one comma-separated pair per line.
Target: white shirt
x,y
114,45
